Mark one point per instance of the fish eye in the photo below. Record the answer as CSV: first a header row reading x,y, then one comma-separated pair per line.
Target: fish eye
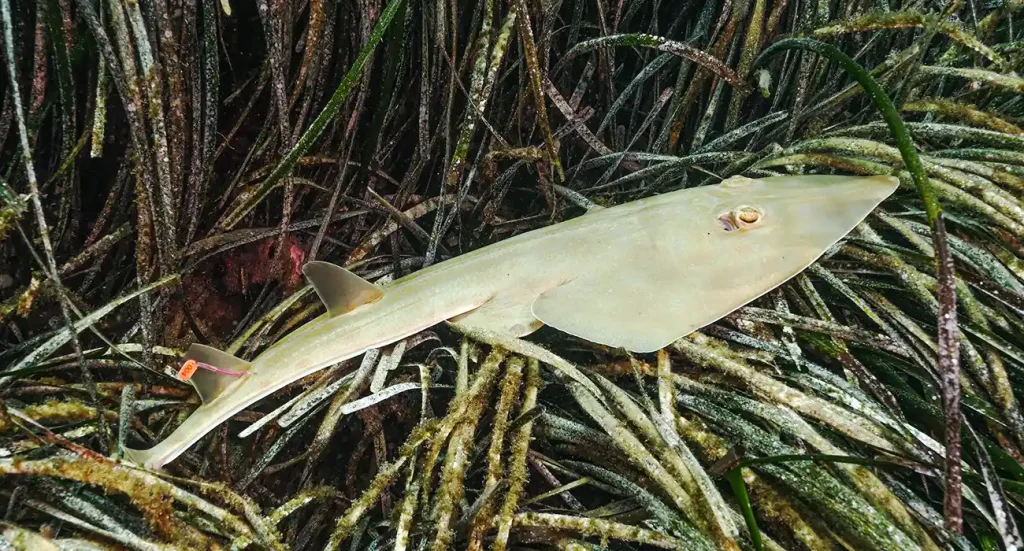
x,y
747,216
743,217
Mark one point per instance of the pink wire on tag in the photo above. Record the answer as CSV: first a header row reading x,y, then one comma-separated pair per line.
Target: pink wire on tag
x,y
189,369
219,370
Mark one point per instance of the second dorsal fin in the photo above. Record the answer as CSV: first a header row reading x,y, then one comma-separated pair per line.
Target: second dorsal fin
x,y
209,384
339,289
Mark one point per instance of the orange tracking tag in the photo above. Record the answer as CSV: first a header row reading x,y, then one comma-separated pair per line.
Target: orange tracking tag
x,y
187,370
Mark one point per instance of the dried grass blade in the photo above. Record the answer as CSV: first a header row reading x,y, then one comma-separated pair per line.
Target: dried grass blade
x,y
64,335
640,40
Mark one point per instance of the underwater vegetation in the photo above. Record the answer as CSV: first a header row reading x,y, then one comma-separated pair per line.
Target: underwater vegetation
x,y
167,168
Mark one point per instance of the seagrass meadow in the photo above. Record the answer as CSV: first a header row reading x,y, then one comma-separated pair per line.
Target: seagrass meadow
x,y
167,167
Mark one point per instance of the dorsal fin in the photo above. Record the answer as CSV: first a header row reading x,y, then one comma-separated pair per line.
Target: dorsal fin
x,y
339,289
209,384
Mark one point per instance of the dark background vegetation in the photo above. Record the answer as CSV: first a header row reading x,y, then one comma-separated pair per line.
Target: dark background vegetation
x,y
184,159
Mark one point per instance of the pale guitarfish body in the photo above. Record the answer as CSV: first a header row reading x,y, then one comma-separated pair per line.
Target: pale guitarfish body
x,y
637,276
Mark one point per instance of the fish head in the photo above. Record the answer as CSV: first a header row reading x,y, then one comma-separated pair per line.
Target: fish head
x,y
731,243
801,215
685,259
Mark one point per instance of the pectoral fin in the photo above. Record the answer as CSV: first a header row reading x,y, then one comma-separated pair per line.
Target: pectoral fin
x,y
647,304
339,289
614,310
210,384
647,301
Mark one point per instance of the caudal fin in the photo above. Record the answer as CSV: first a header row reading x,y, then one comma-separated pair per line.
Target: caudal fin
x,y
209,383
